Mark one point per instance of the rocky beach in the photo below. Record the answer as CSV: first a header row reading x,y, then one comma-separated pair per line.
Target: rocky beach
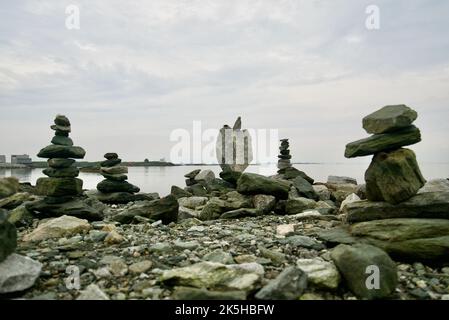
x,y
239,236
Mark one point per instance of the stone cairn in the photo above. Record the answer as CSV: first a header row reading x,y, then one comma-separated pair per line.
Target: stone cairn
x,y
284,156
62,184
115,188
393,175
234,151
62,190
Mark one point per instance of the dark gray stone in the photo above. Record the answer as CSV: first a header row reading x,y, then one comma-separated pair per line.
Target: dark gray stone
x,y
389,118
383,142
288,285
58,151
251,183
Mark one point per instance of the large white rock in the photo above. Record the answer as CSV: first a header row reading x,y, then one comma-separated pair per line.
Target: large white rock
x,y
18,273
59,227
320,273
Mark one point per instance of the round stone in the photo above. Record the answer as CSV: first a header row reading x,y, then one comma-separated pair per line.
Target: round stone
x,y
62,120
60,163
111,155
61,140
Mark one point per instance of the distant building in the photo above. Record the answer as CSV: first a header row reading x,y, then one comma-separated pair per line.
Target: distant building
x,y
20,159
2,159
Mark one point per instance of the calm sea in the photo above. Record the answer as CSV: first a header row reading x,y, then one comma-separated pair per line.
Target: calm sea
x,y
160,179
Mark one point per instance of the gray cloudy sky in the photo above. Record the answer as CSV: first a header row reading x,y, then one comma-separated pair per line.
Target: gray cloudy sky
x,y
136,70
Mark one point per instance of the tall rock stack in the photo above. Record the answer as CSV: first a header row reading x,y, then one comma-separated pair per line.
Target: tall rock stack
x,y
393,175
234,151
115,188
284,156
62,189
61,185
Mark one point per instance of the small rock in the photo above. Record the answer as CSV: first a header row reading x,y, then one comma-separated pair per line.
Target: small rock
x,y
285,229
219,256
114,237
18,273
140,267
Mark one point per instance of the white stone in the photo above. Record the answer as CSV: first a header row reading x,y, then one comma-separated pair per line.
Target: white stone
x,y
306,215
349,199
285,229
58,227
92,292
320,273
18,273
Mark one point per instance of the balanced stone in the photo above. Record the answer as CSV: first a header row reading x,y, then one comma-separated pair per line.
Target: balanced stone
x,y
383,142
115,188
111,155
284,156
115,177
425,205
61,128
62,120
234,148
58,151
62,190
393,177
56,187
63,141
111,162
107,186
60,163
114,170
61,133
389,118
70,172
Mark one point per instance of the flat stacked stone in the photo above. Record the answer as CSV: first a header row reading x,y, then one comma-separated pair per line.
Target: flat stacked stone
x,y
284,156
393,175
61,185
62,190
115,188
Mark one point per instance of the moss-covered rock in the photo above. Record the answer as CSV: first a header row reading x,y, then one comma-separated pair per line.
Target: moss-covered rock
x,y
393,177
383,142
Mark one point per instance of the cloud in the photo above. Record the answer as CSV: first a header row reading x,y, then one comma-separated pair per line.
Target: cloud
x,y
137,70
